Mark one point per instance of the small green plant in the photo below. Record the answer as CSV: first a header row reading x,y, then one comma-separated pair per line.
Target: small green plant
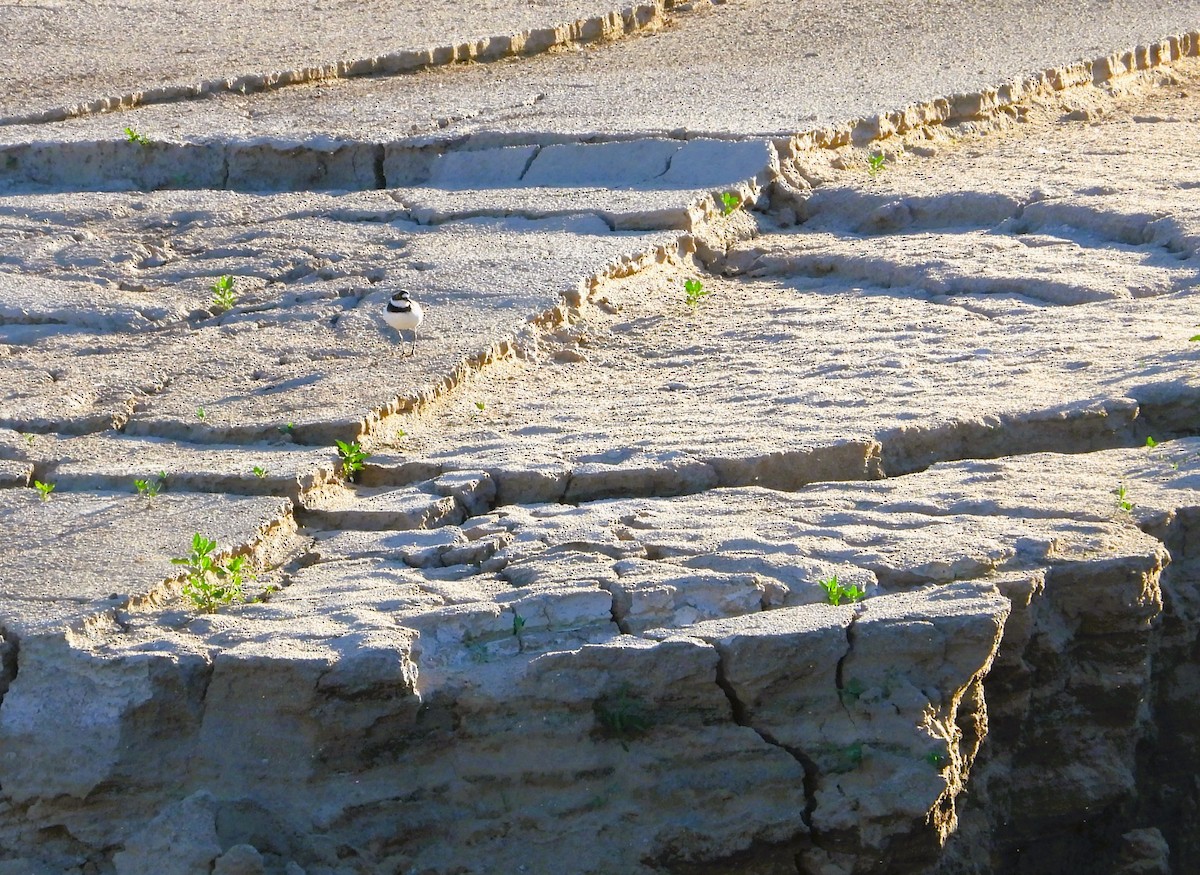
x,y
201,414
30,439
694,289
134,137
848,758
853,689
223,297
352,456
259,471
729,202
211,584
287,428
148,489
622,717
44,489
835,590
480,406
875,163
518,624
1151,442
1194,338
1123,503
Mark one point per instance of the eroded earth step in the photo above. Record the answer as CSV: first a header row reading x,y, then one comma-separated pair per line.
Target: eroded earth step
x,y
571,653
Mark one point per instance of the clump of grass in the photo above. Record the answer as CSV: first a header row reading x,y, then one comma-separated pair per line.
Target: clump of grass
x,y
836,591
352,456
223,297
622,717
694,289
211,584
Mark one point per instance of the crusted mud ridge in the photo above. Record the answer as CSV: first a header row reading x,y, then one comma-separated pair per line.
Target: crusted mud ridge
x,y
574,612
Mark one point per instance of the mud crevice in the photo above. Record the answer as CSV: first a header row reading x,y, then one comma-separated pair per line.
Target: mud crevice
x,y
741,716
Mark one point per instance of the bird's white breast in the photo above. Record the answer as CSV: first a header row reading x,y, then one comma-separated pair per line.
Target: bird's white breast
x,y
405,321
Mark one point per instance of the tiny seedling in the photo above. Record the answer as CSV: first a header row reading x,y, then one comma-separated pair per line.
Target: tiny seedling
x,y
29,438
1123,502
729,203
480,406
201,413
836,591
44,488
211,584
1151,442
352,456
134,137
694,289
518,624
848,758
148,489
1194,338
875,163
259,471
287,428
622,717
223,297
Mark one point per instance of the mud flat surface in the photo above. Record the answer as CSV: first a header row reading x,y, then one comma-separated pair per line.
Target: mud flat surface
x,y
576,605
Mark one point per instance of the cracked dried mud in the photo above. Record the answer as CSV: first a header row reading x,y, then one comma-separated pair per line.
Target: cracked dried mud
x,y
574,607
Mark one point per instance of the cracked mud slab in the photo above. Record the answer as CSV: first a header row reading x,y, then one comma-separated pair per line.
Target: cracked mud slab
x,y
62,54
943,308
304,344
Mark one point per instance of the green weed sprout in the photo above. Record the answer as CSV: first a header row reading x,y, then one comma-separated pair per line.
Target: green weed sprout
x,y
287,428
148,489
201,414
44,489
480,406
875,163
211,584
729,203
30,439
836,591
1123,502
259,471
223,296
352,456
694,289
1151,442
134,137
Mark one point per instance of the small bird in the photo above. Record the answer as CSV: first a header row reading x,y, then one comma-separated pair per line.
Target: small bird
x,y
403,313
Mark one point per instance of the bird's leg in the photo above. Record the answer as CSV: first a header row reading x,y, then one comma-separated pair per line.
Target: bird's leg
x,y
413,351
